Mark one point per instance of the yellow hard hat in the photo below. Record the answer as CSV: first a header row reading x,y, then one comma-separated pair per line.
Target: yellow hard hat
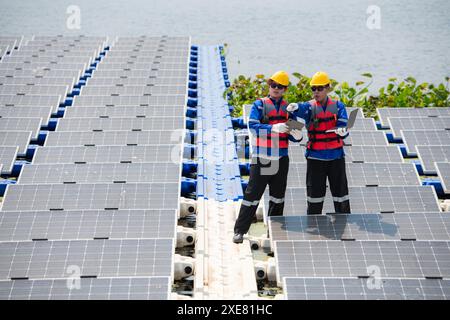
x,y
281,77
320,79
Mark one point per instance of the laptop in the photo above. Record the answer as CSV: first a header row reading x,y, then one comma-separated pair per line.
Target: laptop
x,y
350,122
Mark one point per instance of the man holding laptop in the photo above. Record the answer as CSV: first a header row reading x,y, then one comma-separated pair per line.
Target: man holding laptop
x,y
326,121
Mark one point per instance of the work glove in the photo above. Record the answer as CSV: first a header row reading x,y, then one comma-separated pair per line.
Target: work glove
x,y
341,131
292,107
280,128
297,134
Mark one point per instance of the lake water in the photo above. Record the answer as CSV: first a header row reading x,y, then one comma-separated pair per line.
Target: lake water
x,y
264,36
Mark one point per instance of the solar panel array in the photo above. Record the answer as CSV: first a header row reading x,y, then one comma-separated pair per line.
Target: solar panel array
x,y
102,194
396,234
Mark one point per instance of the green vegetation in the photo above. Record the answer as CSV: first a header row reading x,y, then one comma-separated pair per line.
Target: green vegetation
x,y
407,93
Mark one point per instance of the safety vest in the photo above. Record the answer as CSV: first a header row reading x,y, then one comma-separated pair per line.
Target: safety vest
x,y
320,122
271,116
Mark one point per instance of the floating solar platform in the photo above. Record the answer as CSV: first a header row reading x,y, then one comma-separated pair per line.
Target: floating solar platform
x,y
128,73
93,258
100,173
413,138
443,171
114,138
366,154
123,288
142,81
124,111
403,123
430,154
369,200
87,224
364,174
25,124
365,289
108,154
401,226
393,259
151,90
167,124
20,139
7,157
385,113
91,196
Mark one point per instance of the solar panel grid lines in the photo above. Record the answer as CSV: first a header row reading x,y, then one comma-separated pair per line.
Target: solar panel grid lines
x,y
21,139
114,124
385,113
87,224
304,288
100,173
443,171
59,90
137,90
362,227
393,259
31,100
391,199
128,73
91,196
43,112
413,138
25,124
8,155
429,154
40,73
124,111
121,288
108,154
128,100
39,65
98,258
115,138
136,81
365,174
404,123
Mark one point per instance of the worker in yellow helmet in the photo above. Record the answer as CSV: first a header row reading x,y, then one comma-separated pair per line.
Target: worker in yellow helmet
x,y
326,122
270,161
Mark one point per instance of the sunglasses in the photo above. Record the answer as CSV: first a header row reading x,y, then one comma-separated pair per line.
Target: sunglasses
x,y
277,86
319,88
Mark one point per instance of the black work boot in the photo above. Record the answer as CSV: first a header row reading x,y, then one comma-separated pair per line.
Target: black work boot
x,y
238,238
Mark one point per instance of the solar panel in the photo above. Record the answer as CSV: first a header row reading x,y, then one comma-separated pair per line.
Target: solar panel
x,y
139,73
393,259
391,199
40,72
30,100
100,173
114,138
91,196
365,174
360,113
142,66
7,157
87,224
27,112
124,111
142,81
364,124
443,171
25,124
16,138
402,123
359,289
386,226
366,138
139,90
34,89
124,288
385,113
90,124
430,154
101,258
38,81
107,154
128,100
355,154
38,65
182,57
413,138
